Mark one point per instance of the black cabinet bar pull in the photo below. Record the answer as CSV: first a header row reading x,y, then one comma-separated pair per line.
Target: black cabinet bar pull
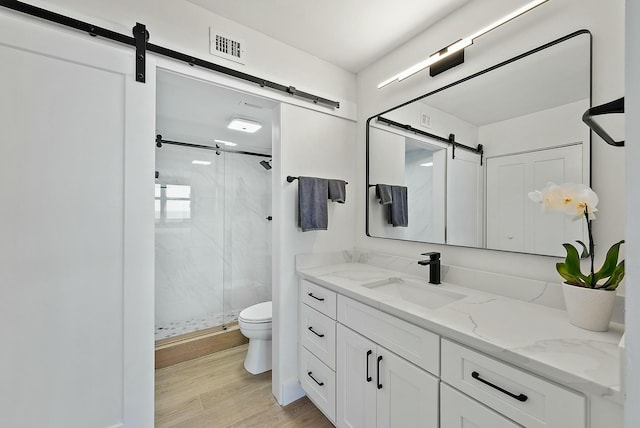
x,y
314,379
378,371
520,397
314,297
369,352
315,332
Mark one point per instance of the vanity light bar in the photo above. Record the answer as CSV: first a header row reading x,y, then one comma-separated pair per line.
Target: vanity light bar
x,y
459,45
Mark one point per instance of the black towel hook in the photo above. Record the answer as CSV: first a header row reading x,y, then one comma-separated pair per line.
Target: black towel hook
x,y
616,106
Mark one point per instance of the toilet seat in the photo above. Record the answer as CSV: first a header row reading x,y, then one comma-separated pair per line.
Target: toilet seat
x,y
256,314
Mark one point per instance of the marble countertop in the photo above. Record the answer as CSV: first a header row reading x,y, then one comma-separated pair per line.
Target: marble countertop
x,y
537,338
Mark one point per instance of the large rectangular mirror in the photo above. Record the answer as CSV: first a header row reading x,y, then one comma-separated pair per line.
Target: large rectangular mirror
x,y
455,166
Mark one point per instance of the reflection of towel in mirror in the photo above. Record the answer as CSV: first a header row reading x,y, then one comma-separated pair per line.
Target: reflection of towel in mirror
x,y
383,192
312,203
398,210
338,191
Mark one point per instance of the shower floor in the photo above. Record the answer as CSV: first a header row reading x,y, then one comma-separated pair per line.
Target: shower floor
x,y
177,328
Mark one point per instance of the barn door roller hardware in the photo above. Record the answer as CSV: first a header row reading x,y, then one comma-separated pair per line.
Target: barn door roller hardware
x,y
140,42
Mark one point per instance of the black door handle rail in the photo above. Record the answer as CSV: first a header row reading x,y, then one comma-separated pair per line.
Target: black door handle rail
x,y
314,297
314,379
378,371
521,397
369,352
315,332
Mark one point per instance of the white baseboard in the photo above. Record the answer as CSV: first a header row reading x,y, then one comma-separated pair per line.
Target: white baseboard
x,y
291,391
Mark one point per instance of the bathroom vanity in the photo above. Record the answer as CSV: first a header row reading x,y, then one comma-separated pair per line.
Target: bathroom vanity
x,y
380,347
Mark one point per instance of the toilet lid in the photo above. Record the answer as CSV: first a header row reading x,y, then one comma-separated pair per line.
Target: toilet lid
x,y
257,313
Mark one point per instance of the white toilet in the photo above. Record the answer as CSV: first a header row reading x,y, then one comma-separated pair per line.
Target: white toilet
x,y
255,325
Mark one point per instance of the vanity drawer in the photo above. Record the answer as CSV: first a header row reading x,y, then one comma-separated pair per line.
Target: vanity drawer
x,y
459,411
319,298
524,398
318,335
319,382
407,340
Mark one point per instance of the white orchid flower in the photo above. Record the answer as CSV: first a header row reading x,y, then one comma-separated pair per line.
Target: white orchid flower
x,y
569,198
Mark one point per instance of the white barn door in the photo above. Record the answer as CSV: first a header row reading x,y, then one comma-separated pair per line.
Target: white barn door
x,y
76,228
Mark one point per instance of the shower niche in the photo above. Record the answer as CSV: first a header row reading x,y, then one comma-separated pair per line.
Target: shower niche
x,y
212,206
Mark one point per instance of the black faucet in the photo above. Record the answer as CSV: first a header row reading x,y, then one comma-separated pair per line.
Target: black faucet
x,y
434,266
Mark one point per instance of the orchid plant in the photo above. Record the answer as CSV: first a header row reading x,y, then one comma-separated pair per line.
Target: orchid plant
x,y
578,200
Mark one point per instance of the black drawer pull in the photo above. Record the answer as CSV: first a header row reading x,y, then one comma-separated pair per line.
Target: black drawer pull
x,y
520,397
378,371
314,379
314,297
315,332
369,352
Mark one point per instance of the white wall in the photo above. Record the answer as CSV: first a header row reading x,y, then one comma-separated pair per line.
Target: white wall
x,y
552,20
442,123
632,112
554,127
183,26
311,145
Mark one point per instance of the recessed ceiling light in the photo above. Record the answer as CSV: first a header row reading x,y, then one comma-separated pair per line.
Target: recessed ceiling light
x,y
199,162
244,125
427,164
226,143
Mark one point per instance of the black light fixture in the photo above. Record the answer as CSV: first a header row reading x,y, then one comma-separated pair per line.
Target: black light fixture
x,y
453,55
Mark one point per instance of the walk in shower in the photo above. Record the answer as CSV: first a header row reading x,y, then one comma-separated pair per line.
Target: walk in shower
x,y
212,209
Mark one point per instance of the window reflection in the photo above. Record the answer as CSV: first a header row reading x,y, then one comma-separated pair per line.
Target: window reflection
x,y
172,203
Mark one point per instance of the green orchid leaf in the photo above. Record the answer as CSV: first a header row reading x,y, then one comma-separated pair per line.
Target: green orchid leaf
x,y
572,263
615,279
585,250
610,263
569,277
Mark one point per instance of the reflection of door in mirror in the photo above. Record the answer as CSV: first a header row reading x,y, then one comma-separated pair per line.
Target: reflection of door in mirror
x,y
410,161
465,196
516,224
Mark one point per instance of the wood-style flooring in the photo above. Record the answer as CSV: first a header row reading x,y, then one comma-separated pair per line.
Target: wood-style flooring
x,y
216,391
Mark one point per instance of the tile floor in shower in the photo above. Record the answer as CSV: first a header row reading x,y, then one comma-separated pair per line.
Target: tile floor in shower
x,y
177,328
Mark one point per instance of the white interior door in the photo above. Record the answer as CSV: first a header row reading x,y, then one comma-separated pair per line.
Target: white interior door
x,y
514,222
465,195
76,259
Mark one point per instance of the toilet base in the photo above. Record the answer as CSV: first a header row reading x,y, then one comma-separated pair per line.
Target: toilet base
x,y
258,358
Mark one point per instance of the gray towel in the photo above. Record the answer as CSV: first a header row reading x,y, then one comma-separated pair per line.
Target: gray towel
x,y
338,191
312,203
398,210
383,192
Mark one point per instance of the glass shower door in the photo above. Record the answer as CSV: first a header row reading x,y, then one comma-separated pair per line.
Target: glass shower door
x,y
247,243
189,240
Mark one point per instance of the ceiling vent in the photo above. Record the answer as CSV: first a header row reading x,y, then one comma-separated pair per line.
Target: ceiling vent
x,y
226,47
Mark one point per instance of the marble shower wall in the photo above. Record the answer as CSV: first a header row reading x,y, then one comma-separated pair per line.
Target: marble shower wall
x,y
216,259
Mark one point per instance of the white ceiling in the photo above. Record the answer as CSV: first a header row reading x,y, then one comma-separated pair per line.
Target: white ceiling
x,y
193,111
348,33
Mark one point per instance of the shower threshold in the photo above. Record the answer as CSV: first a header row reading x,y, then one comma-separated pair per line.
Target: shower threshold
x,y
185,347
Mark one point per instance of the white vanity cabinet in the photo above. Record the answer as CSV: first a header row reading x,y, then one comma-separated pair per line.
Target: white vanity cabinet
x,y
376,388
528,400
459,411
317,351
366,368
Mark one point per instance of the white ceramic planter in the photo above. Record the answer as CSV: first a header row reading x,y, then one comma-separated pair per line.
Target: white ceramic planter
x,y
589,308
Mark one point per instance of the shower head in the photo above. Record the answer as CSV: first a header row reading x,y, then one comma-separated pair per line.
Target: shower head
x,y
266,164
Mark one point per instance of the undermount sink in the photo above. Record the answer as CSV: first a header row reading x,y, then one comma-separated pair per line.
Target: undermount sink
x,y
419,294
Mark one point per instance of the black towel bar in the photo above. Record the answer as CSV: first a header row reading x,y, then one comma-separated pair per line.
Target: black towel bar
x,y
291,179
616,106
